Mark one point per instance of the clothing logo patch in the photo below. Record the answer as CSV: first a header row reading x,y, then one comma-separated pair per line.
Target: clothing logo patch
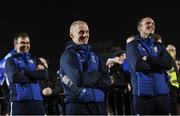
x,y
31,61
19,61
155,49
93,59
82,60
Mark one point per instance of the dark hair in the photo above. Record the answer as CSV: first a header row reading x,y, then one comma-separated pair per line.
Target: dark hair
x,y
118,53
141,19
22,34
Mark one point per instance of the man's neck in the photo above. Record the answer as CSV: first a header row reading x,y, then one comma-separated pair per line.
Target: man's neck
x,y
146,35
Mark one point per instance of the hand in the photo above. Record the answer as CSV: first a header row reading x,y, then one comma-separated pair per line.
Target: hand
x,y
40,67
110,62
129,87
47,91
44,62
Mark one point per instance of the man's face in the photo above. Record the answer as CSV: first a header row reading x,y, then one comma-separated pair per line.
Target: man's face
x,y
22,44
120,59
80,34
172,51
147,26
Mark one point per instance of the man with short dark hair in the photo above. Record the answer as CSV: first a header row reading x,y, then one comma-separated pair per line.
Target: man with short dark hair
x,y
149,61
24,72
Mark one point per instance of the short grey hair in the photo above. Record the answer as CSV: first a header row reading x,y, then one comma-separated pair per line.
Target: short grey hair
x,y
75,23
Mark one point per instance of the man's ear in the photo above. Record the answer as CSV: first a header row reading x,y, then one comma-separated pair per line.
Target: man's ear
x,y
15,45
139,28
71,35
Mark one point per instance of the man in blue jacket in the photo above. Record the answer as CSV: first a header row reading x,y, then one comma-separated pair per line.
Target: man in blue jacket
x,y
149,61
84,77
24,72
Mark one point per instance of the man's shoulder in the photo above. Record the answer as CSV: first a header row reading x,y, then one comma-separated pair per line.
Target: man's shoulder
x,y
130,39
10,60
68,51
132,42
66,54
133,39
12,57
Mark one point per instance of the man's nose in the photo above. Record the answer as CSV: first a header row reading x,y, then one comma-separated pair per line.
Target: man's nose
x,y
151,24
25,44
84,34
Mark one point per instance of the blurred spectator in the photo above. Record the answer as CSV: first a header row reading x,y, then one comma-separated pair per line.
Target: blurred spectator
x,y
119,96
174,81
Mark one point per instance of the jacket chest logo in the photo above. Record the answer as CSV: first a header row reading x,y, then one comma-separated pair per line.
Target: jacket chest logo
x,y
155,49
31,61
93,59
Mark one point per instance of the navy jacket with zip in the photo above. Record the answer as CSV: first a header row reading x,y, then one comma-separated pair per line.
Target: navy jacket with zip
x,y
86,70
149,77
23,77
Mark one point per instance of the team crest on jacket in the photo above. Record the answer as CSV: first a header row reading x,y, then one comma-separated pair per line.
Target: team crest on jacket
x,y
155,49
93,59
31,61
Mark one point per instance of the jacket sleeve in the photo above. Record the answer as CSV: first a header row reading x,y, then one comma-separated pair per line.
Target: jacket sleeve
x,y
99,78
104,80
135,58
36,75
13,75
164,60
89,78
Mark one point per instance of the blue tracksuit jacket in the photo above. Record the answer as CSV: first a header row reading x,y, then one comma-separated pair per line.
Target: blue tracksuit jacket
x,y
86,70
23,77
148,78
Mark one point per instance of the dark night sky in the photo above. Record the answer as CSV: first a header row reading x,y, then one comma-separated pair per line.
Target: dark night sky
x,y
48,22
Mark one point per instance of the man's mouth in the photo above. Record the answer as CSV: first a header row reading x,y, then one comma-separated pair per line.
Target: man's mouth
x,y
24,48
150,28
83,38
